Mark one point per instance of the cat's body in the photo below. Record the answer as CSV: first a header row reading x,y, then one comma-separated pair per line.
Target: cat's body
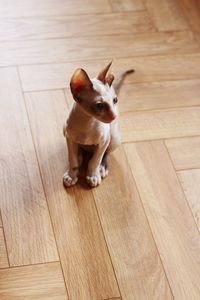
x,y
92,124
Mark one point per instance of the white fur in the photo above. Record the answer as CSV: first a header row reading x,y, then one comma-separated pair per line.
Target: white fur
x,y
81,128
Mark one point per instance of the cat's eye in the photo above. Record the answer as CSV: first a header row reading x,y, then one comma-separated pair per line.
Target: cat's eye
x,y
115,100
99,106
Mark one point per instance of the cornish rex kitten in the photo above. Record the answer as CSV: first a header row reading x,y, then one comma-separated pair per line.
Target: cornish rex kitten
x,y
92,124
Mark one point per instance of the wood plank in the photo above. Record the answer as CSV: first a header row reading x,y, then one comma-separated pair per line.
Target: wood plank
x,y
113,298
184,152
167,15
69,26
33,8
43,281
83,251
158,95
190,180
1,224
155,95
126,5
3,254
147,69
128,235
27,225
170,218
159,124
72,49
191,9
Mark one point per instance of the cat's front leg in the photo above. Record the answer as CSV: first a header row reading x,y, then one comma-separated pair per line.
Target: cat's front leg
x,y
70,177
94,173
104,165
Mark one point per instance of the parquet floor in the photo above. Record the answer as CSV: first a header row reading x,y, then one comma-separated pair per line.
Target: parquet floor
x,y
136,236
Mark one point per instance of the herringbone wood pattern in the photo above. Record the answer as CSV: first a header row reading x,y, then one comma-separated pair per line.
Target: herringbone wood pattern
x,y
136,236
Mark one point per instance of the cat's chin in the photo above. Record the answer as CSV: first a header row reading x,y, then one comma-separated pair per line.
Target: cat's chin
x,y
107,121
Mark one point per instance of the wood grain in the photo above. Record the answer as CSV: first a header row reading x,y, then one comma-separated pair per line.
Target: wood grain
x,y
25,215
69,26
190,180
101,47
83,251
167,15
128,236
147,69
136,235
3,254
113,298
33,8
170,218
43,281
158,124
184,152
118,298
191,9
126,5
1,224
157,95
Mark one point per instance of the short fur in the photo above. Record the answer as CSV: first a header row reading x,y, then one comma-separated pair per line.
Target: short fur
x,y
92,124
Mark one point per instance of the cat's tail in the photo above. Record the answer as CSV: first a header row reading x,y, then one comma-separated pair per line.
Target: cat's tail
x,y
118,83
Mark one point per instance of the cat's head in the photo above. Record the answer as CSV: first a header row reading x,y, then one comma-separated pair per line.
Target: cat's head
x,y
95,96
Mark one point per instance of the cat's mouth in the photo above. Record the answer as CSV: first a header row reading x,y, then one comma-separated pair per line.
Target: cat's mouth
x,y
110,119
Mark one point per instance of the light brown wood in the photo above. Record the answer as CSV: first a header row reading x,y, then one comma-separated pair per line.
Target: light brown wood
x,y
170,218
3,253
190,180
147,69
1,224
191,9
158,124
126,5
66,26
158,95
84,256
167,15
63,50
114,298
155,95
37,282
32,8
25,215
184,152
135,258
136,235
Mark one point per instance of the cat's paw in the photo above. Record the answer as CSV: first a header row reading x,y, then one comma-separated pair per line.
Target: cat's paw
x,y
94,180
103,171
68,180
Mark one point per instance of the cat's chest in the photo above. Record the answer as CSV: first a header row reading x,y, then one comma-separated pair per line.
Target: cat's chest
x,y
89,134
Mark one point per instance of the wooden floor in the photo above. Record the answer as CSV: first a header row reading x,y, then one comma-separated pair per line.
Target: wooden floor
x,y
136,236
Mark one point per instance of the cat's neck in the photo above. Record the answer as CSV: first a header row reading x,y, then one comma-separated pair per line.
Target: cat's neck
x,y
80,115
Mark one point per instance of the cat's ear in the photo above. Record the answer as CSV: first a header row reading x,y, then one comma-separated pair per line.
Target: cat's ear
x,y
81,85
109,79
103,73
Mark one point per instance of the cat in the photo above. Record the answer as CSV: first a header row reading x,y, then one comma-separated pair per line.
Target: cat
x,y
92,124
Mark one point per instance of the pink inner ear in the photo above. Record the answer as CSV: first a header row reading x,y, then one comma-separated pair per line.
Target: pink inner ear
x,y
78,84
109,79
